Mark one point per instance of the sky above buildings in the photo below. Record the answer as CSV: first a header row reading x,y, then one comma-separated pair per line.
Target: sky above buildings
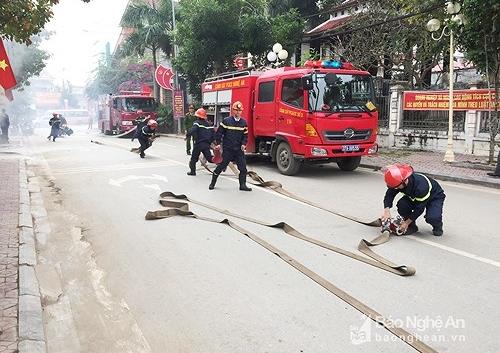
x,y
81,33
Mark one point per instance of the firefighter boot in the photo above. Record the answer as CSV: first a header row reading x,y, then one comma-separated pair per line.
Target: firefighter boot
x,y
412,228
214,180
437,229
192,167
243,186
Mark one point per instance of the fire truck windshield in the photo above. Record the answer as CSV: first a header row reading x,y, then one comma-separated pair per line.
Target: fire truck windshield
x,y
132,104
341,92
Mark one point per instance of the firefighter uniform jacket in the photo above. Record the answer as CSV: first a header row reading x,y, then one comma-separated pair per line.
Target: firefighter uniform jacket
x,y
139,122
203,131
146,133
420,192
232,133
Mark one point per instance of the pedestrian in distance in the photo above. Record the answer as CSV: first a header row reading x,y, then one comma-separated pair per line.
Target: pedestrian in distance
x,y
420,193
91,121
233,132
4,126
146,136
189,120
139,123
55,124
204,134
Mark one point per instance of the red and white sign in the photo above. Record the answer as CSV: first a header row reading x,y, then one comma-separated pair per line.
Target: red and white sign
x,y
239,62
163,76
472,99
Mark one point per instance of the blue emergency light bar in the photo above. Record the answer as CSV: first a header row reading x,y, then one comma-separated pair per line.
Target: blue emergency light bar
x,y
328,64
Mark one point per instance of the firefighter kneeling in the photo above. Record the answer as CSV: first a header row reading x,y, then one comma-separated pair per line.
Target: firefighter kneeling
x,y
204,136
233,131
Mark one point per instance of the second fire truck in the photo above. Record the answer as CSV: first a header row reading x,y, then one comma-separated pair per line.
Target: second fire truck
x,y
117,112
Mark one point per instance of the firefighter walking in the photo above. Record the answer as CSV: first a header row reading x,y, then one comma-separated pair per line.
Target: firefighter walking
x,y
204,134
233,132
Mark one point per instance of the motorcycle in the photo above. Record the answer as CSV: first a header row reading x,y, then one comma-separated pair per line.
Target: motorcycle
x,y
65,130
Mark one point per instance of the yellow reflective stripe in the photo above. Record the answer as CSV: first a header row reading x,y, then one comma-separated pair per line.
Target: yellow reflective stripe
x,y
238,128
203,126
420,199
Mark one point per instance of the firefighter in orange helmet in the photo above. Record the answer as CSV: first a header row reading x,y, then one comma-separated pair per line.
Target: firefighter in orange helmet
x,y
233,132
146,136
420,193
204,134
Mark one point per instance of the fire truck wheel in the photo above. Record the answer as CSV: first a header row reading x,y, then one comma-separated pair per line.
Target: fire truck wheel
x,y
349,164
286,162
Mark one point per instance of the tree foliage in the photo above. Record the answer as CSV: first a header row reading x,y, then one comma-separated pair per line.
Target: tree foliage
x,y
19,20
122,74
150,30
213,33
480,40
27,61
389,38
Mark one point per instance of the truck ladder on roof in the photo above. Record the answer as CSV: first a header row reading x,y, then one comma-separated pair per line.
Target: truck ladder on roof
x,y
232,74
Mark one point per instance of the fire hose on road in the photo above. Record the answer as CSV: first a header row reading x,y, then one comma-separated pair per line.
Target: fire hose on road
x,y
175,207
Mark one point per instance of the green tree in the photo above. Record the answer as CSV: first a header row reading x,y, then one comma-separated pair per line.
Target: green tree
x,y
19,20
27,61
122,74
150,24
307,9
389,38
480,39
211,34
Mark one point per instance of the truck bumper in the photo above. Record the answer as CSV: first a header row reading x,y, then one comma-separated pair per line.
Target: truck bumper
x,y
336,151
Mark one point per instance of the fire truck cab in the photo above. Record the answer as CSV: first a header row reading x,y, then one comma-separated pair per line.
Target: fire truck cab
x,y
117,112
322,112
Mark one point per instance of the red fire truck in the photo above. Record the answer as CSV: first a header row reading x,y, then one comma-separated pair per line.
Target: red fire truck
x,y
322,112
117,112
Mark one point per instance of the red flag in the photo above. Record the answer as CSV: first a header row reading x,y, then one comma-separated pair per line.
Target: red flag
x,y
7,78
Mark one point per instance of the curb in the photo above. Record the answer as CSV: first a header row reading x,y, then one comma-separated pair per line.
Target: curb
x,y
31,332
480,182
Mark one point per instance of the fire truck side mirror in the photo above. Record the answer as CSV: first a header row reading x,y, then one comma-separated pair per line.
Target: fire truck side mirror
x,y
307,82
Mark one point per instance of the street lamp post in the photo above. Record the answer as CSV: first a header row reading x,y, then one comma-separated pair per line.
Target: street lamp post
x,y
432,26
277,53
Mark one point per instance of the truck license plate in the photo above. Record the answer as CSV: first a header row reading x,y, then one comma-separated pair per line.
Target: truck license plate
x,y
350,148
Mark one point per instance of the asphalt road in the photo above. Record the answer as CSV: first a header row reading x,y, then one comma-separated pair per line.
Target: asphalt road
x,y
115,282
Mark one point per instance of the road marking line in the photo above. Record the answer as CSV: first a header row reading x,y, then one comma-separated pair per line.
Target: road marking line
x,y
456,251
112,167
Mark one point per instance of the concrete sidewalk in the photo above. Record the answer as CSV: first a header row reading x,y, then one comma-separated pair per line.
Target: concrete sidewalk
x,y
466,169
21,328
